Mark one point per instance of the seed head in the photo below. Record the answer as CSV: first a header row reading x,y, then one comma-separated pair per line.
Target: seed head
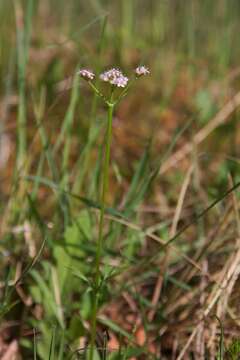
x,y
86,74
114,77
141,71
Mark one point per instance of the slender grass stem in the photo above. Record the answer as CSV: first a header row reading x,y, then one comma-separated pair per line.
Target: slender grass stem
x,y
105,182
85,159
23,33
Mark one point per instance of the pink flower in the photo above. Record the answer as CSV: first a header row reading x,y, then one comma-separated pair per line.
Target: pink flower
x,y
141,71
120,81
114,77
86,74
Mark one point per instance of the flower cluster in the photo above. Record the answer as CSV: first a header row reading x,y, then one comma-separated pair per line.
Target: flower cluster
x,y
114,76
141,71
86,74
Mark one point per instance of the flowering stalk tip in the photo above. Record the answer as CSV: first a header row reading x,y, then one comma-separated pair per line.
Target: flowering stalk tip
x,y
141,71
86,74
114,77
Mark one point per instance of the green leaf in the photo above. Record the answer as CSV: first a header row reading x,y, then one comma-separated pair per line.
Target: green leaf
x,y
90,203
78,233
136,184
76,328
115,327
48,299
205,105
63,261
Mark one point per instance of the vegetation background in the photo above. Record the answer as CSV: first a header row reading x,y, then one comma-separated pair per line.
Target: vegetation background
x,y
171,259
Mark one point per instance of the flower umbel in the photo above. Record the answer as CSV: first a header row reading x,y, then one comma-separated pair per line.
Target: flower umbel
x,y
114,77
86,74
141,71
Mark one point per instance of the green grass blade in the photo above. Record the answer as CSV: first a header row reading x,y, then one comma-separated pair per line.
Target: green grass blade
x,y
86,201
39,114
34,344
93,129
52,345
69,117
23,38
140,173
221,340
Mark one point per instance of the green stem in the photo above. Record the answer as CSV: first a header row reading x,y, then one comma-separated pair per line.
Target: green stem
x,y
105,181
23,34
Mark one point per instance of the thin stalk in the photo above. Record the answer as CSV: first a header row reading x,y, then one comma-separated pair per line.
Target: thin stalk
x,y
68,122
91,137
127,22
23,33
105,182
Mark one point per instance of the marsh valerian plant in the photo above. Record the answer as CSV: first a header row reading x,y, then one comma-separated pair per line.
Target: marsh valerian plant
x,y
117,81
